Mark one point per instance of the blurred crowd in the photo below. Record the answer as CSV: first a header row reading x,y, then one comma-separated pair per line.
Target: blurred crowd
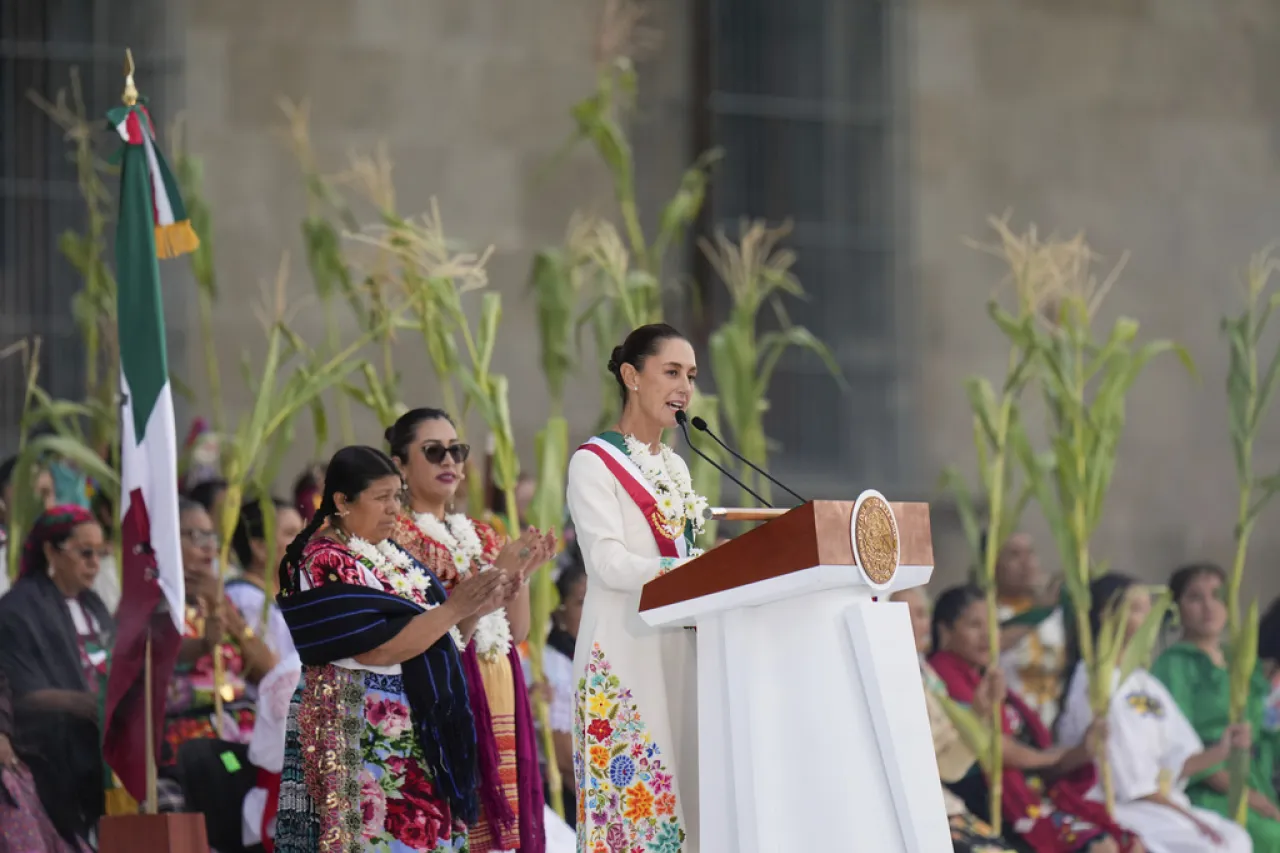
x,y
1166,737
228,698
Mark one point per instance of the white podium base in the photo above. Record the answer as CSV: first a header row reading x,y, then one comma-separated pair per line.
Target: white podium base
x,y
812,730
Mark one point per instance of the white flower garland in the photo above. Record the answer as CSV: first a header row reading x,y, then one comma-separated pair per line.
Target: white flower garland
x,y
457,534
678,503
406,579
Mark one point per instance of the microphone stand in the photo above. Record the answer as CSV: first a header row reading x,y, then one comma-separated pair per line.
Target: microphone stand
x,y
683,420
701,425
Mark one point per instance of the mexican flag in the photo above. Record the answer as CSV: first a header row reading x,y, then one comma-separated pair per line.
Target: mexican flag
x,y
152,222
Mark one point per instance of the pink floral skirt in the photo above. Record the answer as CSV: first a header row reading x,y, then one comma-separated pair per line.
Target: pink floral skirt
x,y
354,776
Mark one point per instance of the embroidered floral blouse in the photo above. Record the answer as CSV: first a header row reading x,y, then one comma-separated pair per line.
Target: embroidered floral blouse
x,y
435,556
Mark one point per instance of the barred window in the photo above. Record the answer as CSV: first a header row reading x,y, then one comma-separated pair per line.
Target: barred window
x,y
41,42
804,97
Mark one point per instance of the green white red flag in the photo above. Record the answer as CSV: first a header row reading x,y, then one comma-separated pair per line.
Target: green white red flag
x,y
152,223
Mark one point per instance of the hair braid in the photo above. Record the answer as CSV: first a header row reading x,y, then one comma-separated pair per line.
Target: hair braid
x,y
293,553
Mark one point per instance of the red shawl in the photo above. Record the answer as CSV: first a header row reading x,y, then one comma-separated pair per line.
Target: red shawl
x,y
1059,820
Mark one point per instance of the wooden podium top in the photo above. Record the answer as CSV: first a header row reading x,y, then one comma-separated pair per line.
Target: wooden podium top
x,y
813,534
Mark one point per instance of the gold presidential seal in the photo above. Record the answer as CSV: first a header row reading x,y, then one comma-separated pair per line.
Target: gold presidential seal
x,y
876,547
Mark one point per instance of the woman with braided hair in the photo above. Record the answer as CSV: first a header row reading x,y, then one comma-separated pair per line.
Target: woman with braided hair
x,y
380,746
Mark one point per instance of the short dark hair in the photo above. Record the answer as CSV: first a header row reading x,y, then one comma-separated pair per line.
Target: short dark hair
x,y
572,570
947,609
639,345
206,493
1183,577
250,526
400,434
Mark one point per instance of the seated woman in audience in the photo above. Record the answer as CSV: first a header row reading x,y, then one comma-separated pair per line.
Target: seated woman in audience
x,y
1151,748
955,759
211,620
1195,672
247,590
237,786
55,635
1043,794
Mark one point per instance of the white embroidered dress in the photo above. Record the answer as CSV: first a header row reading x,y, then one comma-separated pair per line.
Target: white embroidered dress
x,y
1149,738
635,738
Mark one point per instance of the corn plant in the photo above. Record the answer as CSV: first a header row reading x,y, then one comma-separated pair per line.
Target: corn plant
x,y
625,290
546,512
1242,660
974,732
1083,382
261,438
415,255
331,275
757,275
1121,655
62,435
704,476
94,306
997,422
189,171
1250,387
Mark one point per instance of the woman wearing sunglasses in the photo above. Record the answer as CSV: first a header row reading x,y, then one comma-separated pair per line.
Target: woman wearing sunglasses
x,y
425,447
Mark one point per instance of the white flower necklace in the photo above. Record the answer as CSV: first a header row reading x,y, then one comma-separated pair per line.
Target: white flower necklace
x,y
678,503
457,534
393,566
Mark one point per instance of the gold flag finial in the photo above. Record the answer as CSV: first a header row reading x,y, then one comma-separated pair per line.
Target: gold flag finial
x,y
130,96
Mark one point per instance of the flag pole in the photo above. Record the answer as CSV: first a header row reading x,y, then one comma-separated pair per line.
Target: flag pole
x,y
153,805
130,98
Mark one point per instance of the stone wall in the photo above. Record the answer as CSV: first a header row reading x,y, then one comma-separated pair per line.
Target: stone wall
x,y
1148,123
472,99
1152,126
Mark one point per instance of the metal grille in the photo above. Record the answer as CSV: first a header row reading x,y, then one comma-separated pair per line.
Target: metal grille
x,y
804,100
40,43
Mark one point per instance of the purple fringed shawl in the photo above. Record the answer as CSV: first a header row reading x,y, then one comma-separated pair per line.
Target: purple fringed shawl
x,y
494,803
533,835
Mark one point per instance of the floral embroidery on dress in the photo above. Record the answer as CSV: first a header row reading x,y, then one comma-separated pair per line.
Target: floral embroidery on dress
x,y
1146,704
329,562
626,801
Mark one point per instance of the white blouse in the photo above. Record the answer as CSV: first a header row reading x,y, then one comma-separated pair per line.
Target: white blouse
x,y
1148,735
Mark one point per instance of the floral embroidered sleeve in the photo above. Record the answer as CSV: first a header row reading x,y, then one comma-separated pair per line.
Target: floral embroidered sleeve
x,y
493,543
330,563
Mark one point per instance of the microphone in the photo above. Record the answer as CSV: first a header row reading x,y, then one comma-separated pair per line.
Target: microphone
x,y
701,425
683,420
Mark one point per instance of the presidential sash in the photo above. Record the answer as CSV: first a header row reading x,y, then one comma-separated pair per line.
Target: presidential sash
x,y
611,450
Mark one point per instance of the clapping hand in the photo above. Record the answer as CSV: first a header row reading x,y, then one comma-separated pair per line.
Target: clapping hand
x,y
473,593
521,556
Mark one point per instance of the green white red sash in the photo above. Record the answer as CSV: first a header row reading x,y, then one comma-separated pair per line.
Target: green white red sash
x,y
638,489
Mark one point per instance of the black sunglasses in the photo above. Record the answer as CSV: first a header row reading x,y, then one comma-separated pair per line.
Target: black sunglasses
x,y
435,453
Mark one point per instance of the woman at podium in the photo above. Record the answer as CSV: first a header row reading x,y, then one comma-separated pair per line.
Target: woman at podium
x,y
635,512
